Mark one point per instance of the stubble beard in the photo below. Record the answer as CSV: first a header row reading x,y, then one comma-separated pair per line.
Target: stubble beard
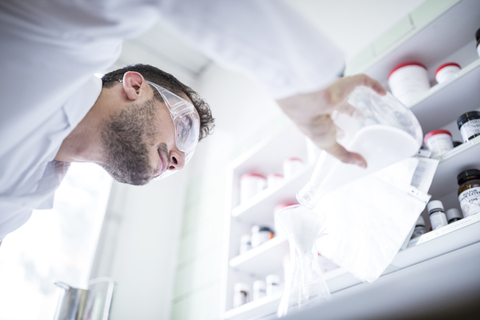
x,y
124,138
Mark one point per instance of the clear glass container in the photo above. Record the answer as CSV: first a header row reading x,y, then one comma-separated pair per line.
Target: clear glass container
x,y
381,129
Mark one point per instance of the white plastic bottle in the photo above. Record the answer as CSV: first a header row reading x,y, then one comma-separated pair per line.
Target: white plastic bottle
x,y
419,228
437,215
259,289
240,294
273,284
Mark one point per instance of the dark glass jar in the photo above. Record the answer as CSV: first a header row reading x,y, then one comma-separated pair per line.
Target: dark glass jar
x,y
469,125
469,191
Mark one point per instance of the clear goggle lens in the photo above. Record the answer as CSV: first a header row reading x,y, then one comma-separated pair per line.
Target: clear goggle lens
x,y
186,122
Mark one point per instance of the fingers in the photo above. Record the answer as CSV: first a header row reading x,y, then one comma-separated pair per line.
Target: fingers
x,y
343,87
371,83
324,133
346,108
343,155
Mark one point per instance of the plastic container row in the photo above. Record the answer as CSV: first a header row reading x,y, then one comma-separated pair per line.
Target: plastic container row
x,y
440,141
252,184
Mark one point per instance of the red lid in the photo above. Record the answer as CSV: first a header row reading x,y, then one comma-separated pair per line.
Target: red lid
x,y
294,159
434,132
406,64
246,175
275,175
447,65
280,206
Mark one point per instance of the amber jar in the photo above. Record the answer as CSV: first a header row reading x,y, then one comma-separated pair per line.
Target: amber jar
x,y
469,191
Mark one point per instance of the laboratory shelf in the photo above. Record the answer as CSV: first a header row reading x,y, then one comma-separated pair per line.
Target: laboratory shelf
x,y
253,309
431,44
435,243
263,260
259,210
337,280
465,156
449,37
429,247
445,102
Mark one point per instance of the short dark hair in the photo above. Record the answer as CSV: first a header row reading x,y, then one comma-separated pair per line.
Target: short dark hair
x,y
169,82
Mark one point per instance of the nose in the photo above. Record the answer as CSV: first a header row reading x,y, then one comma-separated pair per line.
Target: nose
x,y
177,160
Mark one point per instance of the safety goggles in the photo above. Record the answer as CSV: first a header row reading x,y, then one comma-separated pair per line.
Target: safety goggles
x,y
186,123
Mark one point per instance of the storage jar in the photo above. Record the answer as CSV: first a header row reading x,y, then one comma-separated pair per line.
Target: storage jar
x,y
453,215
261,235
420,228
274,180
273,284
245,243
292,166
251,184
439,142
437,215
259,289
408,81
447,71
469,125
477,36
469,191
240,294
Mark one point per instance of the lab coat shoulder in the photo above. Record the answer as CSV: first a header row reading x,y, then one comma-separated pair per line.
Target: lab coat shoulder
x,y
266,39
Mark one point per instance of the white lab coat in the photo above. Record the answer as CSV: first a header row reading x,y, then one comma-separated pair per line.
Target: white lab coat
x,y
49,50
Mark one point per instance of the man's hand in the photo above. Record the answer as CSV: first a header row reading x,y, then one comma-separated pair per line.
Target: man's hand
x,y
311,112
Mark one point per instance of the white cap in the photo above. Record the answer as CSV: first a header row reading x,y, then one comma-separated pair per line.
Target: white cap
x,y
273,278
258,285
420,221
241,287
435,204
453,213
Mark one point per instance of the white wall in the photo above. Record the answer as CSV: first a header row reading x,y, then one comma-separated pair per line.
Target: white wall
x,y
354,24
140,245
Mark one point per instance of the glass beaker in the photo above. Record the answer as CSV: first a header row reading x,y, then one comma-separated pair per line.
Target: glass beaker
x,y
305,286
382,130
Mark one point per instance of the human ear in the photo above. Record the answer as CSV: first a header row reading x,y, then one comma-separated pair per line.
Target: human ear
x,y
133,85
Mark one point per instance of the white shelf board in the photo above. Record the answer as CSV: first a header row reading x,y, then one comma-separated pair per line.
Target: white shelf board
x,y
267,157
452,237
453,98
465,156
429,45
441,242
255,309
259,210
263,260
337,280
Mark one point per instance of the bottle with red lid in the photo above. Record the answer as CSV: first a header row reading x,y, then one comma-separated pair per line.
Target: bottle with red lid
x,y
438,142
251,184
408,81
447,71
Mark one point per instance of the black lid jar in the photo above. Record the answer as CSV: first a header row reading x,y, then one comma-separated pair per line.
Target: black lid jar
x,y
469,191
469,125
477,36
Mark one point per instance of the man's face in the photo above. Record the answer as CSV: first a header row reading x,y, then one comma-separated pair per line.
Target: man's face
x,y
139,143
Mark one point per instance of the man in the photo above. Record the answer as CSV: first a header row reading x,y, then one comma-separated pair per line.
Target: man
x,y
129,130
144,124
53,111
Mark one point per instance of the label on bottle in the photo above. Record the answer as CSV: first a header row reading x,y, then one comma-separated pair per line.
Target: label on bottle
x,y
470,128
439,144
470,201
418,231
438,219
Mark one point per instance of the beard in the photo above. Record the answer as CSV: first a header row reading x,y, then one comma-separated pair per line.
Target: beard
x,y
125,142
